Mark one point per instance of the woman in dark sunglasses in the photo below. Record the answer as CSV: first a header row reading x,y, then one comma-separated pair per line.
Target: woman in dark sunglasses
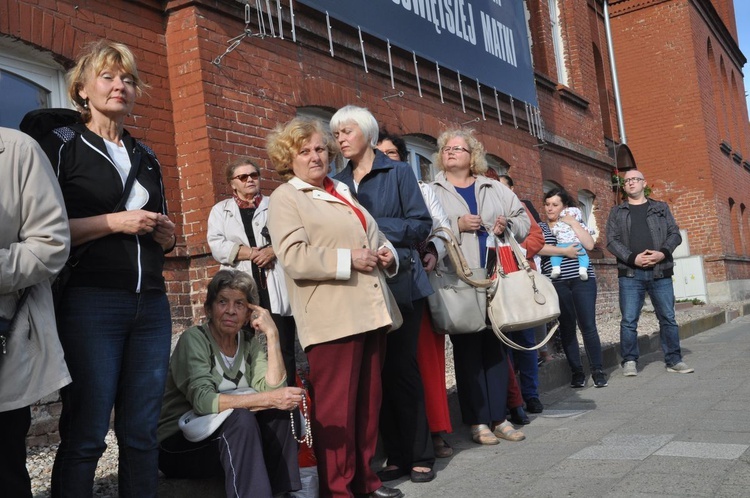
x,y
239,239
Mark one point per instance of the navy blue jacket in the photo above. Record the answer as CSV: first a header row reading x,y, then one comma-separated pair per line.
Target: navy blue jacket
x,y
391,194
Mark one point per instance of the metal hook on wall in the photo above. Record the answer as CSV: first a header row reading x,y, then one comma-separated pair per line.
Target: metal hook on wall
x,y
399,94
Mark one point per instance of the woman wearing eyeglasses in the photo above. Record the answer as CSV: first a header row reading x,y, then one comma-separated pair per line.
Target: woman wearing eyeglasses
x,y
480,210
239,239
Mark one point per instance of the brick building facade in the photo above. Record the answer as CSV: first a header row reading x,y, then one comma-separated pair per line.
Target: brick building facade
x,y
686,121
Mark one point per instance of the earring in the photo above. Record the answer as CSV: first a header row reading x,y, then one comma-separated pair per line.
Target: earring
x,y
85,103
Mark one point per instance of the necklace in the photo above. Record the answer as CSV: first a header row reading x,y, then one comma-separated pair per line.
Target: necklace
x,y
307,436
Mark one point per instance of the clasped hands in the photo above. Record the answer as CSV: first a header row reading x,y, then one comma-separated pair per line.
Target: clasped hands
x,y
141,222
648,258
473,222
366,259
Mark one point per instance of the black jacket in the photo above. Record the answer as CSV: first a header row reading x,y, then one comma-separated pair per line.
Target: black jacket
x,y
91,186
664,233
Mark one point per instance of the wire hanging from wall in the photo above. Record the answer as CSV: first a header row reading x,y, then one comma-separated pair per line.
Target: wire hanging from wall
x,y
461,91
416,71
330,38
513,111
497,106
390,63
291,18
246,33
481,104
362,46
278,12
440,83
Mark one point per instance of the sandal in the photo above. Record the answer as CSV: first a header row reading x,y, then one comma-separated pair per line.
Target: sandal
x,y
506,431
441,447
483,435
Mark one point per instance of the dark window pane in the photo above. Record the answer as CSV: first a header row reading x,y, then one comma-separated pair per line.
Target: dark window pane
x,y
17,97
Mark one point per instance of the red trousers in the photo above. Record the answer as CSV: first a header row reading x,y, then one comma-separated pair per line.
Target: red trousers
x,y
431,360
346,391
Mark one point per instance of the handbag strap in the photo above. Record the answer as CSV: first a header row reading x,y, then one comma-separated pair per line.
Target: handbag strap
x,y
5,337
457,258
511,344
523,264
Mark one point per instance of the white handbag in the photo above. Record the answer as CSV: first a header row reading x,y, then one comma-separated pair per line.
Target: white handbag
x,y
521,300
459,303
198,427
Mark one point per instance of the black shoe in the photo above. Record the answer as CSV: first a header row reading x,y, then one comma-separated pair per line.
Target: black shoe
x,y
518,416
391,474
533,405
383,492
422,476
578,380
600,378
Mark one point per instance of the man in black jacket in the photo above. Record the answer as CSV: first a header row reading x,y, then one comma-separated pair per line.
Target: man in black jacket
x,y
642,233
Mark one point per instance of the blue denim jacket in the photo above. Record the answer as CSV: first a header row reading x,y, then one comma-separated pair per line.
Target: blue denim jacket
x,y
391,194
664,233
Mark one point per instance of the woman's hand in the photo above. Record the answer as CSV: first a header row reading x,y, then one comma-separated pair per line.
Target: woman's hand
x,y
364,259
263,257
573,251
261,321
138,222
429,261
500,223
469,223
570,220
163,233
385,258
286,398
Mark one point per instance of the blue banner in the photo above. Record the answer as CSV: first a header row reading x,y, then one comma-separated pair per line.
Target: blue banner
x,y
485,40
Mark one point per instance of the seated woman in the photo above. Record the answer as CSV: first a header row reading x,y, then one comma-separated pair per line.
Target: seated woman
x,y
254,447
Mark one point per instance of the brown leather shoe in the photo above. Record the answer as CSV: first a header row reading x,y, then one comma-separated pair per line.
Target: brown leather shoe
x,y
441,447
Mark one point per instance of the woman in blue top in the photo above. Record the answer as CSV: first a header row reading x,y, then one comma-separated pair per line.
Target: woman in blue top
x,y
390,192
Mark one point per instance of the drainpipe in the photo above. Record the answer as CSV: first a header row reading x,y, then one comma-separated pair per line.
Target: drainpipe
x,y
613,68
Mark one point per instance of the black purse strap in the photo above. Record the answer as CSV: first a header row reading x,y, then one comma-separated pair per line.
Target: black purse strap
x,y
75,258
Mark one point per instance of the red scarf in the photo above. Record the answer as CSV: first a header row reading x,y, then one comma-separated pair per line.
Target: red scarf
x,y
247,204
330,187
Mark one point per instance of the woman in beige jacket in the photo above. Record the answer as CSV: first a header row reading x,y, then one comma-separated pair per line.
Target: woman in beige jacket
x,y
334,258
480,210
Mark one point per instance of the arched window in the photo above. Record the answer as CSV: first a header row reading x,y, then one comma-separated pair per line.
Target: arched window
x,y
26,85
548,185
557,42
499,165
587,205
421,148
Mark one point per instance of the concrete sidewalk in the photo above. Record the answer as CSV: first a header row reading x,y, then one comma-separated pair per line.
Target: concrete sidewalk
x,y
657,434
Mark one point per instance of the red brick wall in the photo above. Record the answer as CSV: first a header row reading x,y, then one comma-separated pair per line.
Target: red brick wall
x,y
676,122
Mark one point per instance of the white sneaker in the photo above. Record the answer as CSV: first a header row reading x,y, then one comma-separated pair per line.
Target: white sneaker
x,y
629,369
555,272
583,273
680,368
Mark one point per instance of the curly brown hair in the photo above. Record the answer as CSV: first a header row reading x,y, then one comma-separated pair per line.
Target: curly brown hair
x,y
286,140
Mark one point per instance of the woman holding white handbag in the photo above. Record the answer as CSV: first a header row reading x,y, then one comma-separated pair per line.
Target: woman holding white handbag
x,y
472,203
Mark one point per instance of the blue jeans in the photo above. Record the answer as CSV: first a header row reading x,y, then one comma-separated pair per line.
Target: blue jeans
x,y
116,346
578,305
583,259
632,294
526,363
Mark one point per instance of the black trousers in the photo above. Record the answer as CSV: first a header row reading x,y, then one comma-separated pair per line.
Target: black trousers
x,y
481,377
255,452
14,478
287,330
403,418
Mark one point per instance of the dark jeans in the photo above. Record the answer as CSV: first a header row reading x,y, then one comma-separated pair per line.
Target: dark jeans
x,y
116,346
481,377
632,295
254,452
403,416
14,478
526,363
578,305
287,329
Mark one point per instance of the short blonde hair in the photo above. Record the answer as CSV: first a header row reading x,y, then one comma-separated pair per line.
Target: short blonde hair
x,y
95,57
286,140
478,159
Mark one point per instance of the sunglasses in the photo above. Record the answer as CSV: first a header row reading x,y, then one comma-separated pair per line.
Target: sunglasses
x,y
243,177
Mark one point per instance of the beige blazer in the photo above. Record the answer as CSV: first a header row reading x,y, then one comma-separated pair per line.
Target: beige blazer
x,y
493,199
313,234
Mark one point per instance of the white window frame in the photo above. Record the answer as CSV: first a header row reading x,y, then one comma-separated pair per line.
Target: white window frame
x,y
49,78
587,202
557,42
417,146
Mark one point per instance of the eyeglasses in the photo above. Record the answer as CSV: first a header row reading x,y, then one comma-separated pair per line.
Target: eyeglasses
x,y
628,181
244,176
455,149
